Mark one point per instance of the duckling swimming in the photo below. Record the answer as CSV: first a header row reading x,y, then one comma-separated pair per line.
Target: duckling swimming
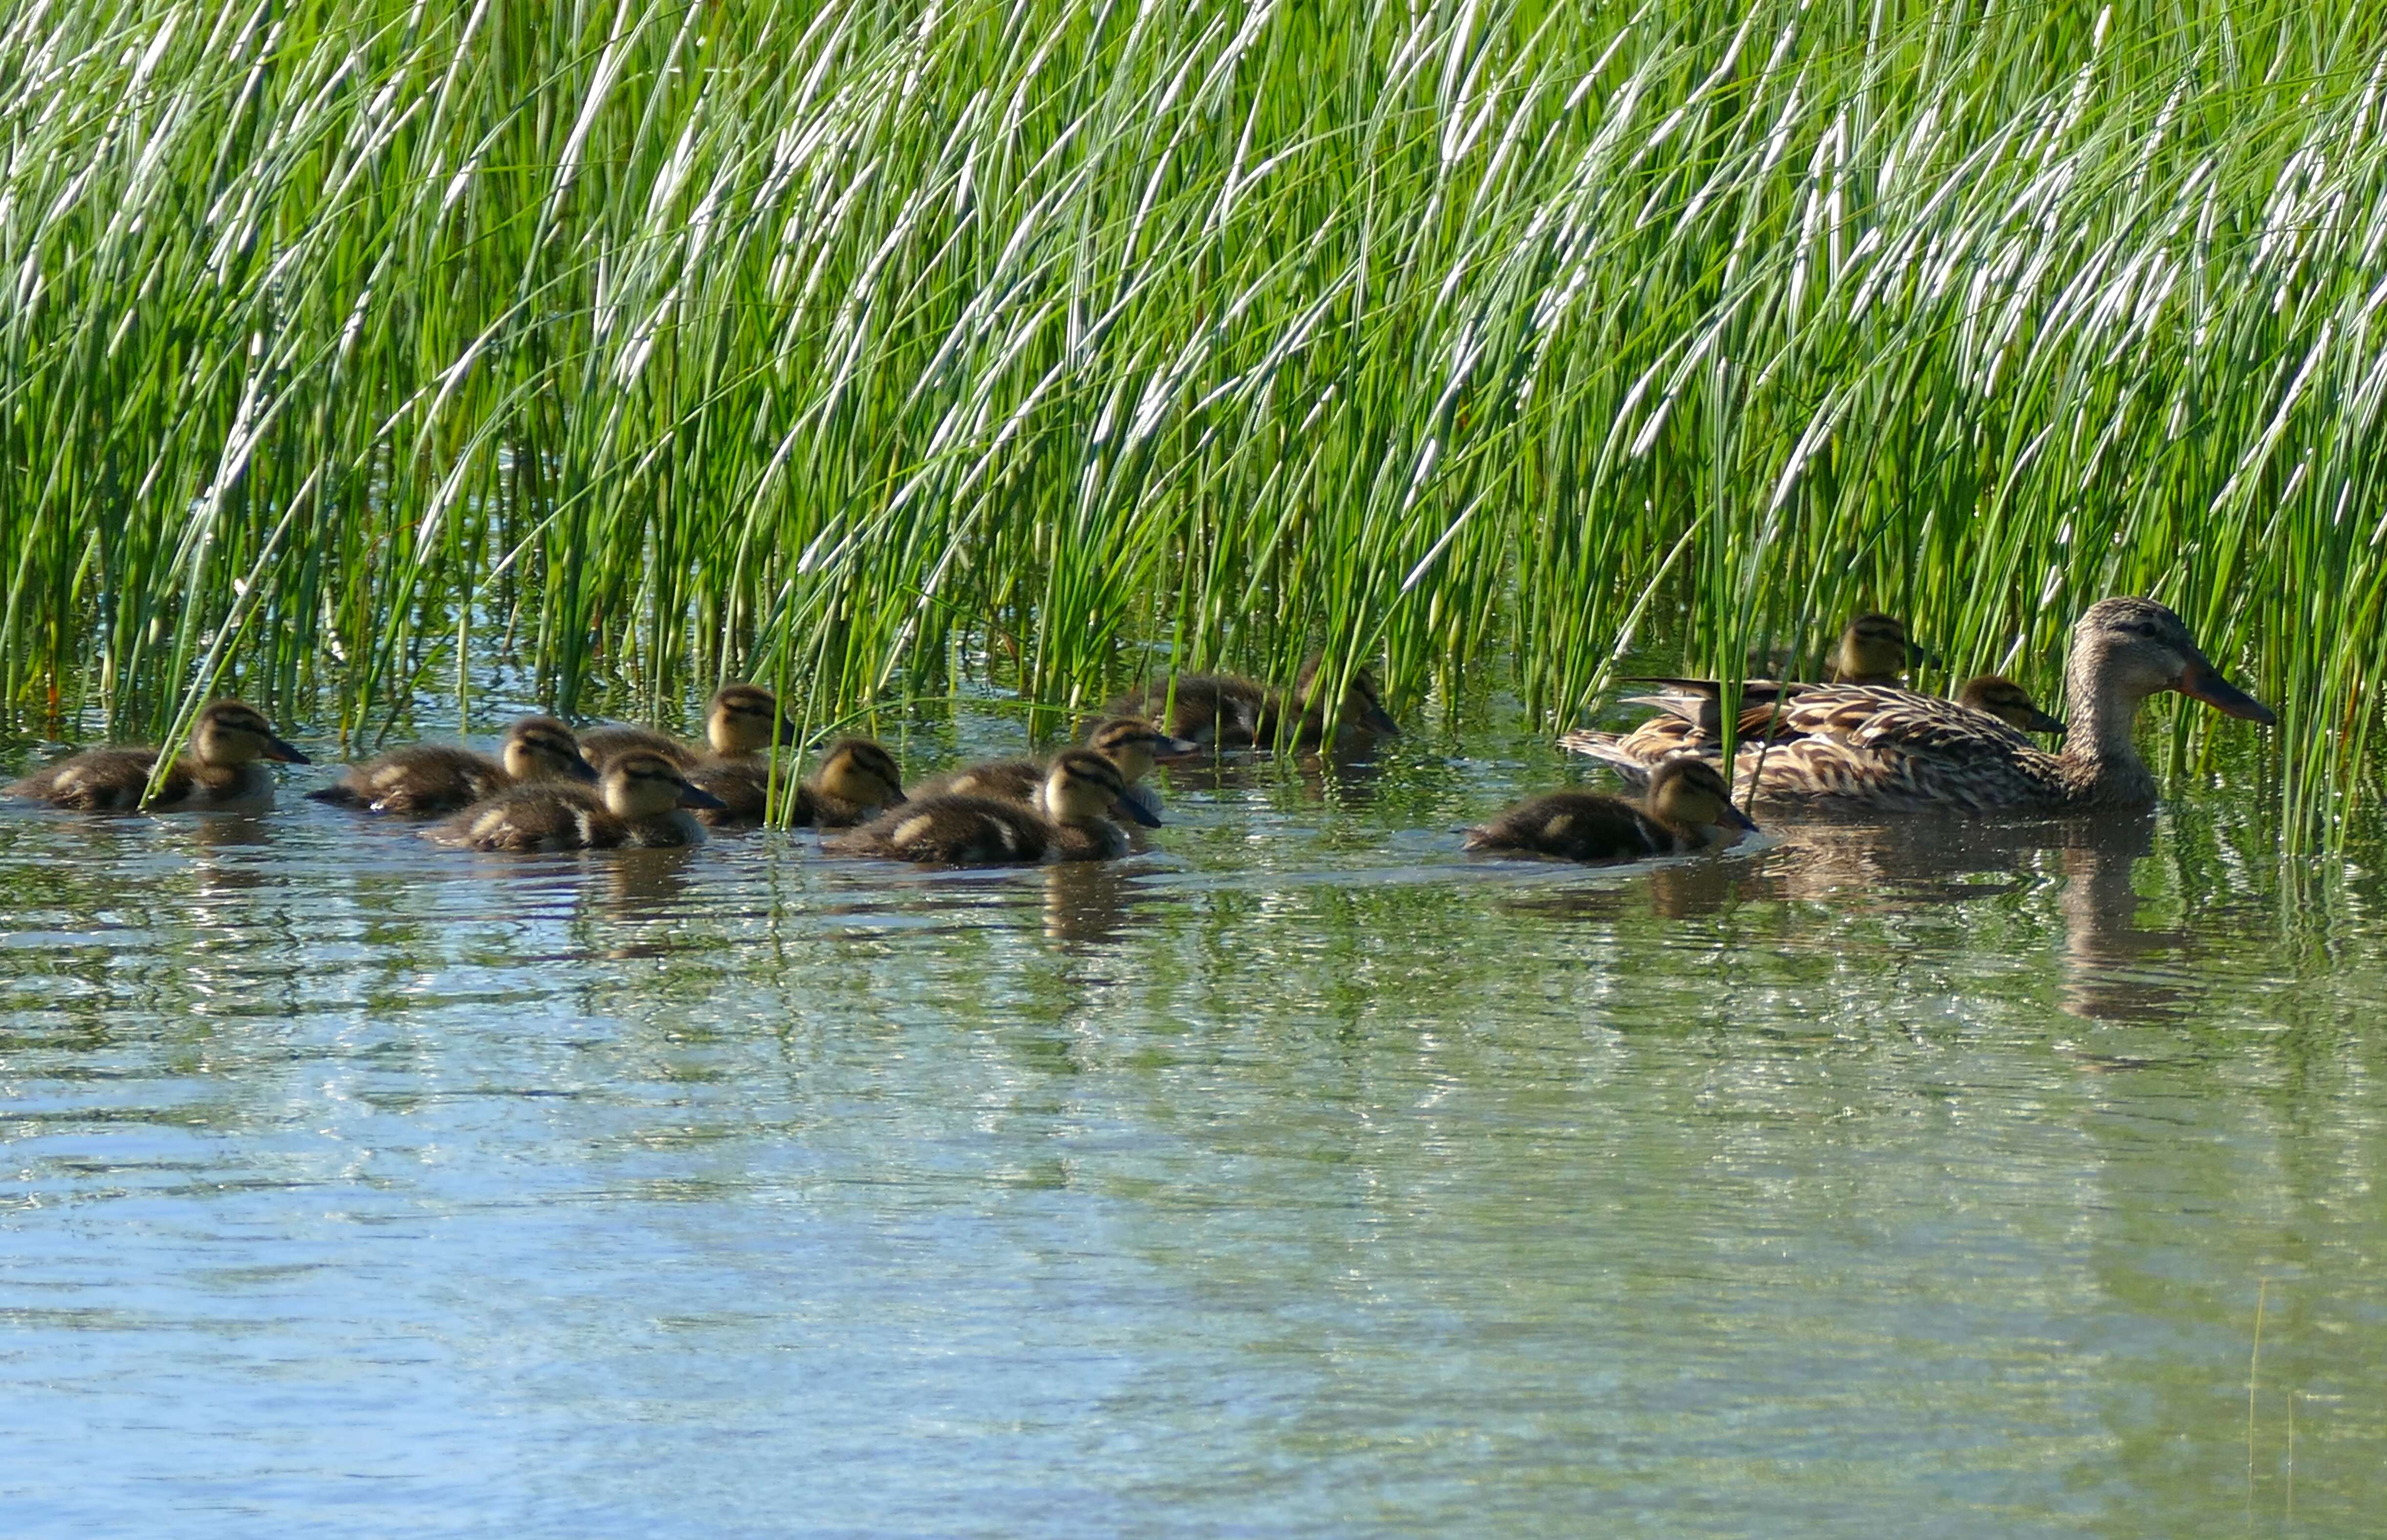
x,y
742,720
1131,744
1995,695
638,800
439,778
1226,711
961,830
1687,808
1873,649
856,778
220,768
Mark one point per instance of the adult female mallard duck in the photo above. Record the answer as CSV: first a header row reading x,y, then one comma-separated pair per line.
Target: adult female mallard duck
x,y
1226,711
960,830
1690,714
441,777
1687,807
222,769
638,800
1131,744
1861,746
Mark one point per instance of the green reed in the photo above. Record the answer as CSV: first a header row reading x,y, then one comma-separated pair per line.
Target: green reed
x,y
875,349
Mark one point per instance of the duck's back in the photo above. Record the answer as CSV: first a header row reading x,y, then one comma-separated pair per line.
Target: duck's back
x,y
419,779
1576,826
953,830
608,744
1005,780
536,818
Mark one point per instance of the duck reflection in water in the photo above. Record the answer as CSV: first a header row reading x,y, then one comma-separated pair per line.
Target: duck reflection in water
x,y
1088,902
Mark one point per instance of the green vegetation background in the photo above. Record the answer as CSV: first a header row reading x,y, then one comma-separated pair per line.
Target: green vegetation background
x,y
868,348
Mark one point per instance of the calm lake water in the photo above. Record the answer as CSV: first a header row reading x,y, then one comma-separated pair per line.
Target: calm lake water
x,y
1302,1176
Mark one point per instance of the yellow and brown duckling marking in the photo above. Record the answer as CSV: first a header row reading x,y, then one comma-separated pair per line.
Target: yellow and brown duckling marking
x,y
1873,649
857,778
962,830
1995,695
1131,744
426,779
1873,746
1687,807
222,767
639,798
741,720
1226,711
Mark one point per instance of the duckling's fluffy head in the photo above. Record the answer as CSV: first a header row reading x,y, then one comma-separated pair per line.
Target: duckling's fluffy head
x,y
232,732
1691,793
745,719
860,772
1363,702
645,785
1995,695
1082,786
541,748
2136,646
1875,646
1135,745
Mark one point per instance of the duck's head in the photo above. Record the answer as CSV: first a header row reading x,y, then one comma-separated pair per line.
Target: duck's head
x,y
1082,786
541,748
1690,793
234,732
745,719
859,771
2136,648
1363,702
1135,746
1995,695
1875,646
645,785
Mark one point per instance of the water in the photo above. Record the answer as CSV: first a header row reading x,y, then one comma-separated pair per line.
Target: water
x,y
1301,1178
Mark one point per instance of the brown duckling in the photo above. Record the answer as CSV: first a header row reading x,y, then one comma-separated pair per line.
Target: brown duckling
x,y
961,830
1687,807
441,777
1225,711
742,721
222,767
1873,649
1995,695
638,800
857,778
1128,742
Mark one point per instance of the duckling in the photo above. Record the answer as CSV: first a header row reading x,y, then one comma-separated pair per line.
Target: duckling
x,y
1687,808
856,778
961,830
440,777
1225,711
222,769
1131,743
637,801
1995,695
742,721
1874,649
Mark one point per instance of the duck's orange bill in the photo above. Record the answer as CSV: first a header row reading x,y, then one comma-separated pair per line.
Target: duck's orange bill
x,y
2203,683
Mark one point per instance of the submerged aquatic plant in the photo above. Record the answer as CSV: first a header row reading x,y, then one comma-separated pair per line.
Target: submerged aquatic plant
x,y
863,347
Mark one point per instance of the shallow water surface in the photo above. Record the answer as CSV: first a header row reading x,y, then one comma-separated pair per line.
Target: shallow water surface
x,y
1300,1177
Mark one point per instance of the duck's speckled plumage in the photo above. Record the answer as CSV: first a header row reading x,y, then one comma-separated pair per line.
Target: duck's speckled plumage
x,y
1892,749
